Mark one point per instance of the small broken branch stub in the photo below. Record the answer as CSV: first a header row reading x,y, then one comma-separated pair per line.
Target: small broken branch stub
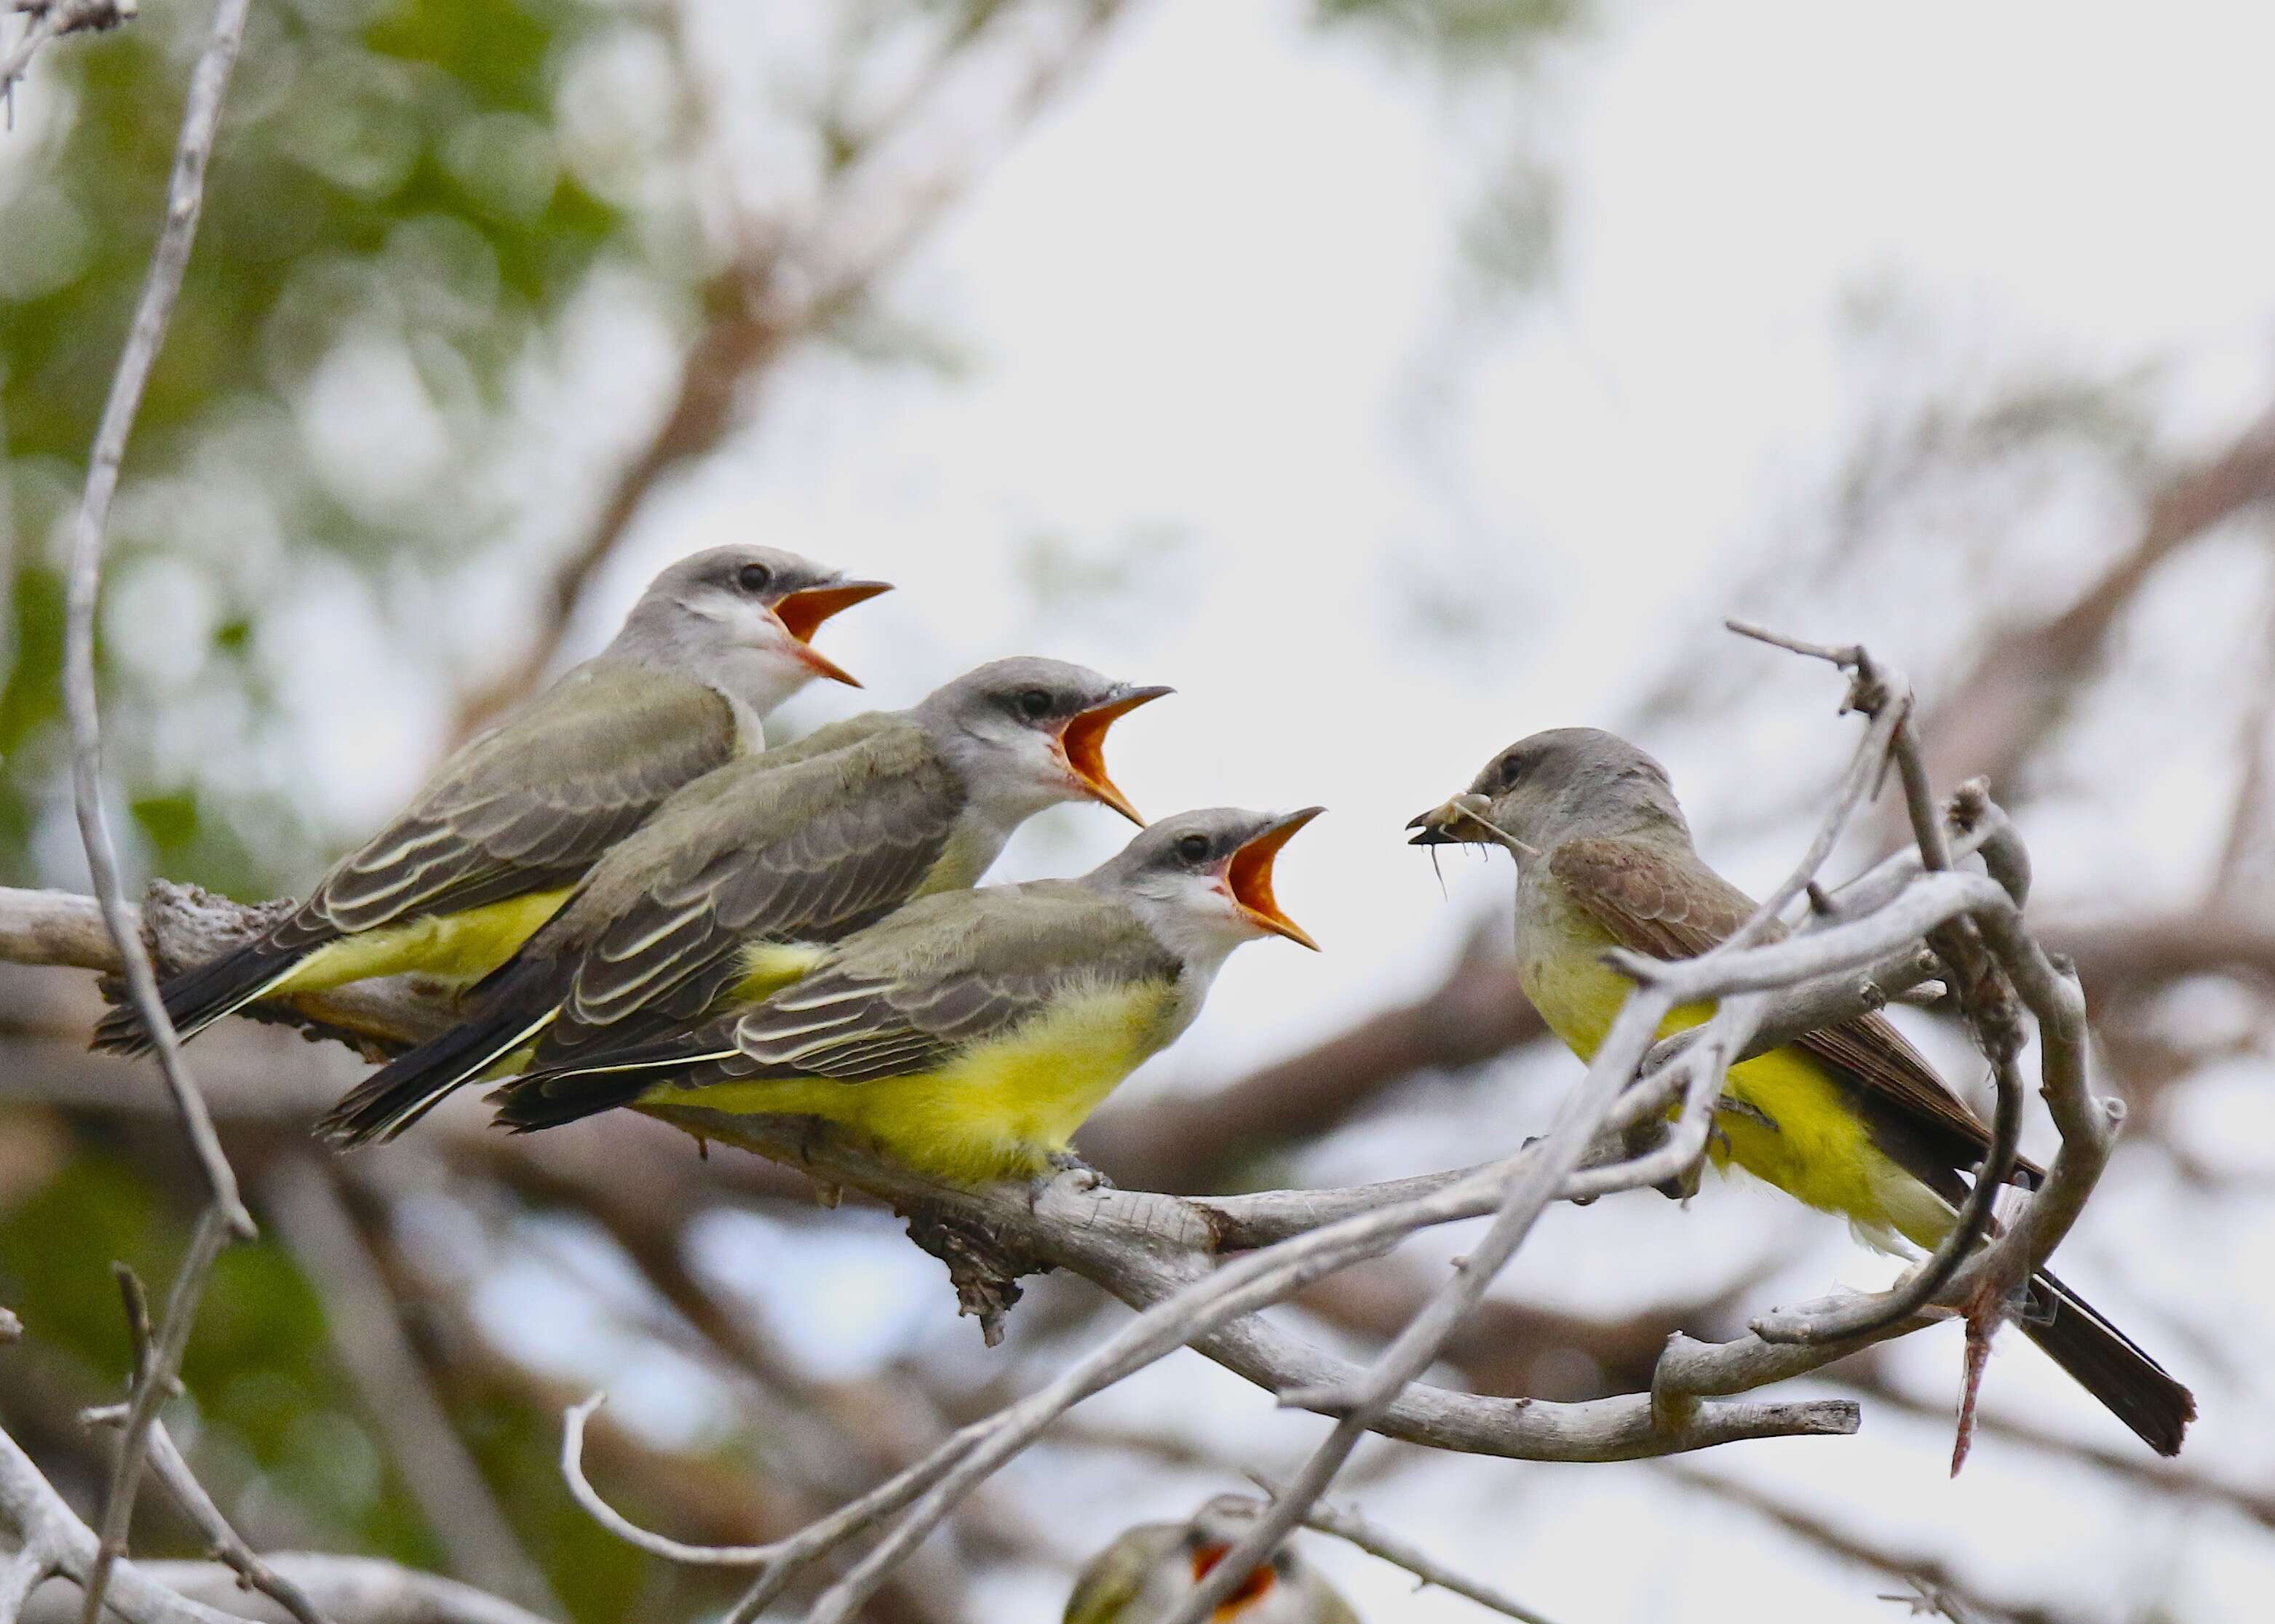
x,y
984,1264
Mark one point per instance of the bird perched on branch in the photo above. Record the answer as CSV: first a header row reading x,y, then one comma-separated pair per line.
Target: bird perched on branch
x,y
969,1034
489,847
733,887
1142,1576
1849,1118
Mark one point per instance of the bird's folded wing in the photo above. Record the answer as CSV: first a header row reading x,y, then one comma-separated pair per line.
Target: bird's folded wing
x,y
945,974
1651,905
535,801
807,853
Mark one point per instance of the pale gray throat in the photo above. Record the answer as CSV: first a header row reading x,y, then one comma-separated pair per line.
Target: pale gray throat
x,y
674,639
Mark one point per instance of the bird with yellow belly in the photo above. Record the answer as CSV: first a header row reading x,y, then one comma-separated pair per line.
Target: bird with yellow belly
x,y
968,1035
1849,1118
492,845
736,887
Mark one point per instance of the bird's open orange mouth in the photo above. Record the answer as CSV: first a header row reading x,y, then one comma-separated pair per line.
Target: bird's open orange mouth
x,y
1248,876
1255,1587
1082,742
802,612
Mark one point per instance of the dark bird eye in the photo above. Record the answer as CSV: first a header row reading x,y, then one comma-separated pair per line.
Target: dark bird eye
x,y
1193,848
1511,770
1034,704
754,577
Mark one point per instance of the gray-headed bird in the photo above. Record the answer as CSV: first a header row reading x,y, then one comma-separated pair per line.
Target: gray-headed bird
x,y
734,885
1849,1118
1142,1576
969,1034
489,847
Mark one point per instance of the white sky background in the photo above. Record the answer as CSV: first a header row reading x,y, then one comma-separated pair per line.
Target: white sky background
x,y
1204,297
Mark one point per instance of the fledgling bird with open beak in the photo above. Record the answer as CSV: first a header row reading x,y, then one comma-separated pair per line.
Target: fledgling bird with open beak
x,y
1850,1119
968,1035
738,884
1142,1576
489,847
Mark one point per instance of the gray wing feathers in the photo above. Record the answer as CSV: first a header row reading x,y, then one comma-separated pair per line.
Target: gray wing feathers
x,y
942,973
810,853
533,800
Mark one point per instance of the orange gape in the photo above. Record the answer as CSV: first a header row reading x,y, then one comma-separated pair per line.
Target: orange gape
x,y
1255,1585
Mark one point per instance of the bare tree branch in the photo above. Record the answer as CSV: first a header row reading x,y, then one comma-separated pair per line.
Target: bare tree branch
x,y
351,1590
227,1217
181,1483
53,1543
50,20
1349,1526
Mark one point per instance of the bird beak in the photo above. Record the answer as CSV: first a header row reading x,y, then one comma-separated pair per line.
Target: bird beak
x,y
1248,876
803,611
1082,742
1252,1589
1449,824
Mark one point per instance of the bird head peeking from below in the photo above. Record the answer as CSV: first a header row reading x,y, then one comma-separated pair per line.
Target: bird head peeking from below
x,y
742,619
1142,1576
1202,881
1552,787
1029,733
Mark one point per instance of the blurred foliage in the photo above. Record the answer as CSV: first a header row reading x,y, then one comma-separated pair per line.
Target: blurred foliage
x,y
272,1413
393,215
407,197
1487,33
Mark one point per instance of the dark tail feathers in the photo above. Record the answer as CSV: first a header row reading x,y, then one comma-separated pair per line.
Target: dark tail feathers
x,y
2104,1361
199,996
413,1084
549,1098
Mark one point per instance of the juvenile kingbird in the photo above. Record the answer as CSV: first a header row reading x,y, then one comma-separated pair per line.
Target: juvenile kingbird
x,y
1142,1576
731,888
969,1034
487,849
1850,1119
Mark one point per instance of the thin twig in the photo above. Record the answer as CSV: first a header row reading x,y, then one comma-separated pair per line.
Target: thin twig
x,y
50,19
181,1483
573,1471
1349,1526
152,1390
227,1217
1888,699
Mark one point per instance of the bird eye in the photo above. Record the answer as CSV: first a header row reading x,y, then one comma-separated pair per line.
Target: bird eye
x,y
754,577
1193,848
1034,704
1512,768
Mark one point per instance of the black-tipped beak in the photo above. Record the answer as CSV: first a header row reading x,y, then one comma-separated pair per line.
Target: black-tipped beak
x,y
1436,826
1428,831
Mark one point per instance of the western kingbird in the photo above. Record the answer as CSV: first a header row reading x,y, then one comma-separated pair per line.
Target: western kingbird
x,y
1142,1576
969,1034
486,852
729,890
1849,1118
